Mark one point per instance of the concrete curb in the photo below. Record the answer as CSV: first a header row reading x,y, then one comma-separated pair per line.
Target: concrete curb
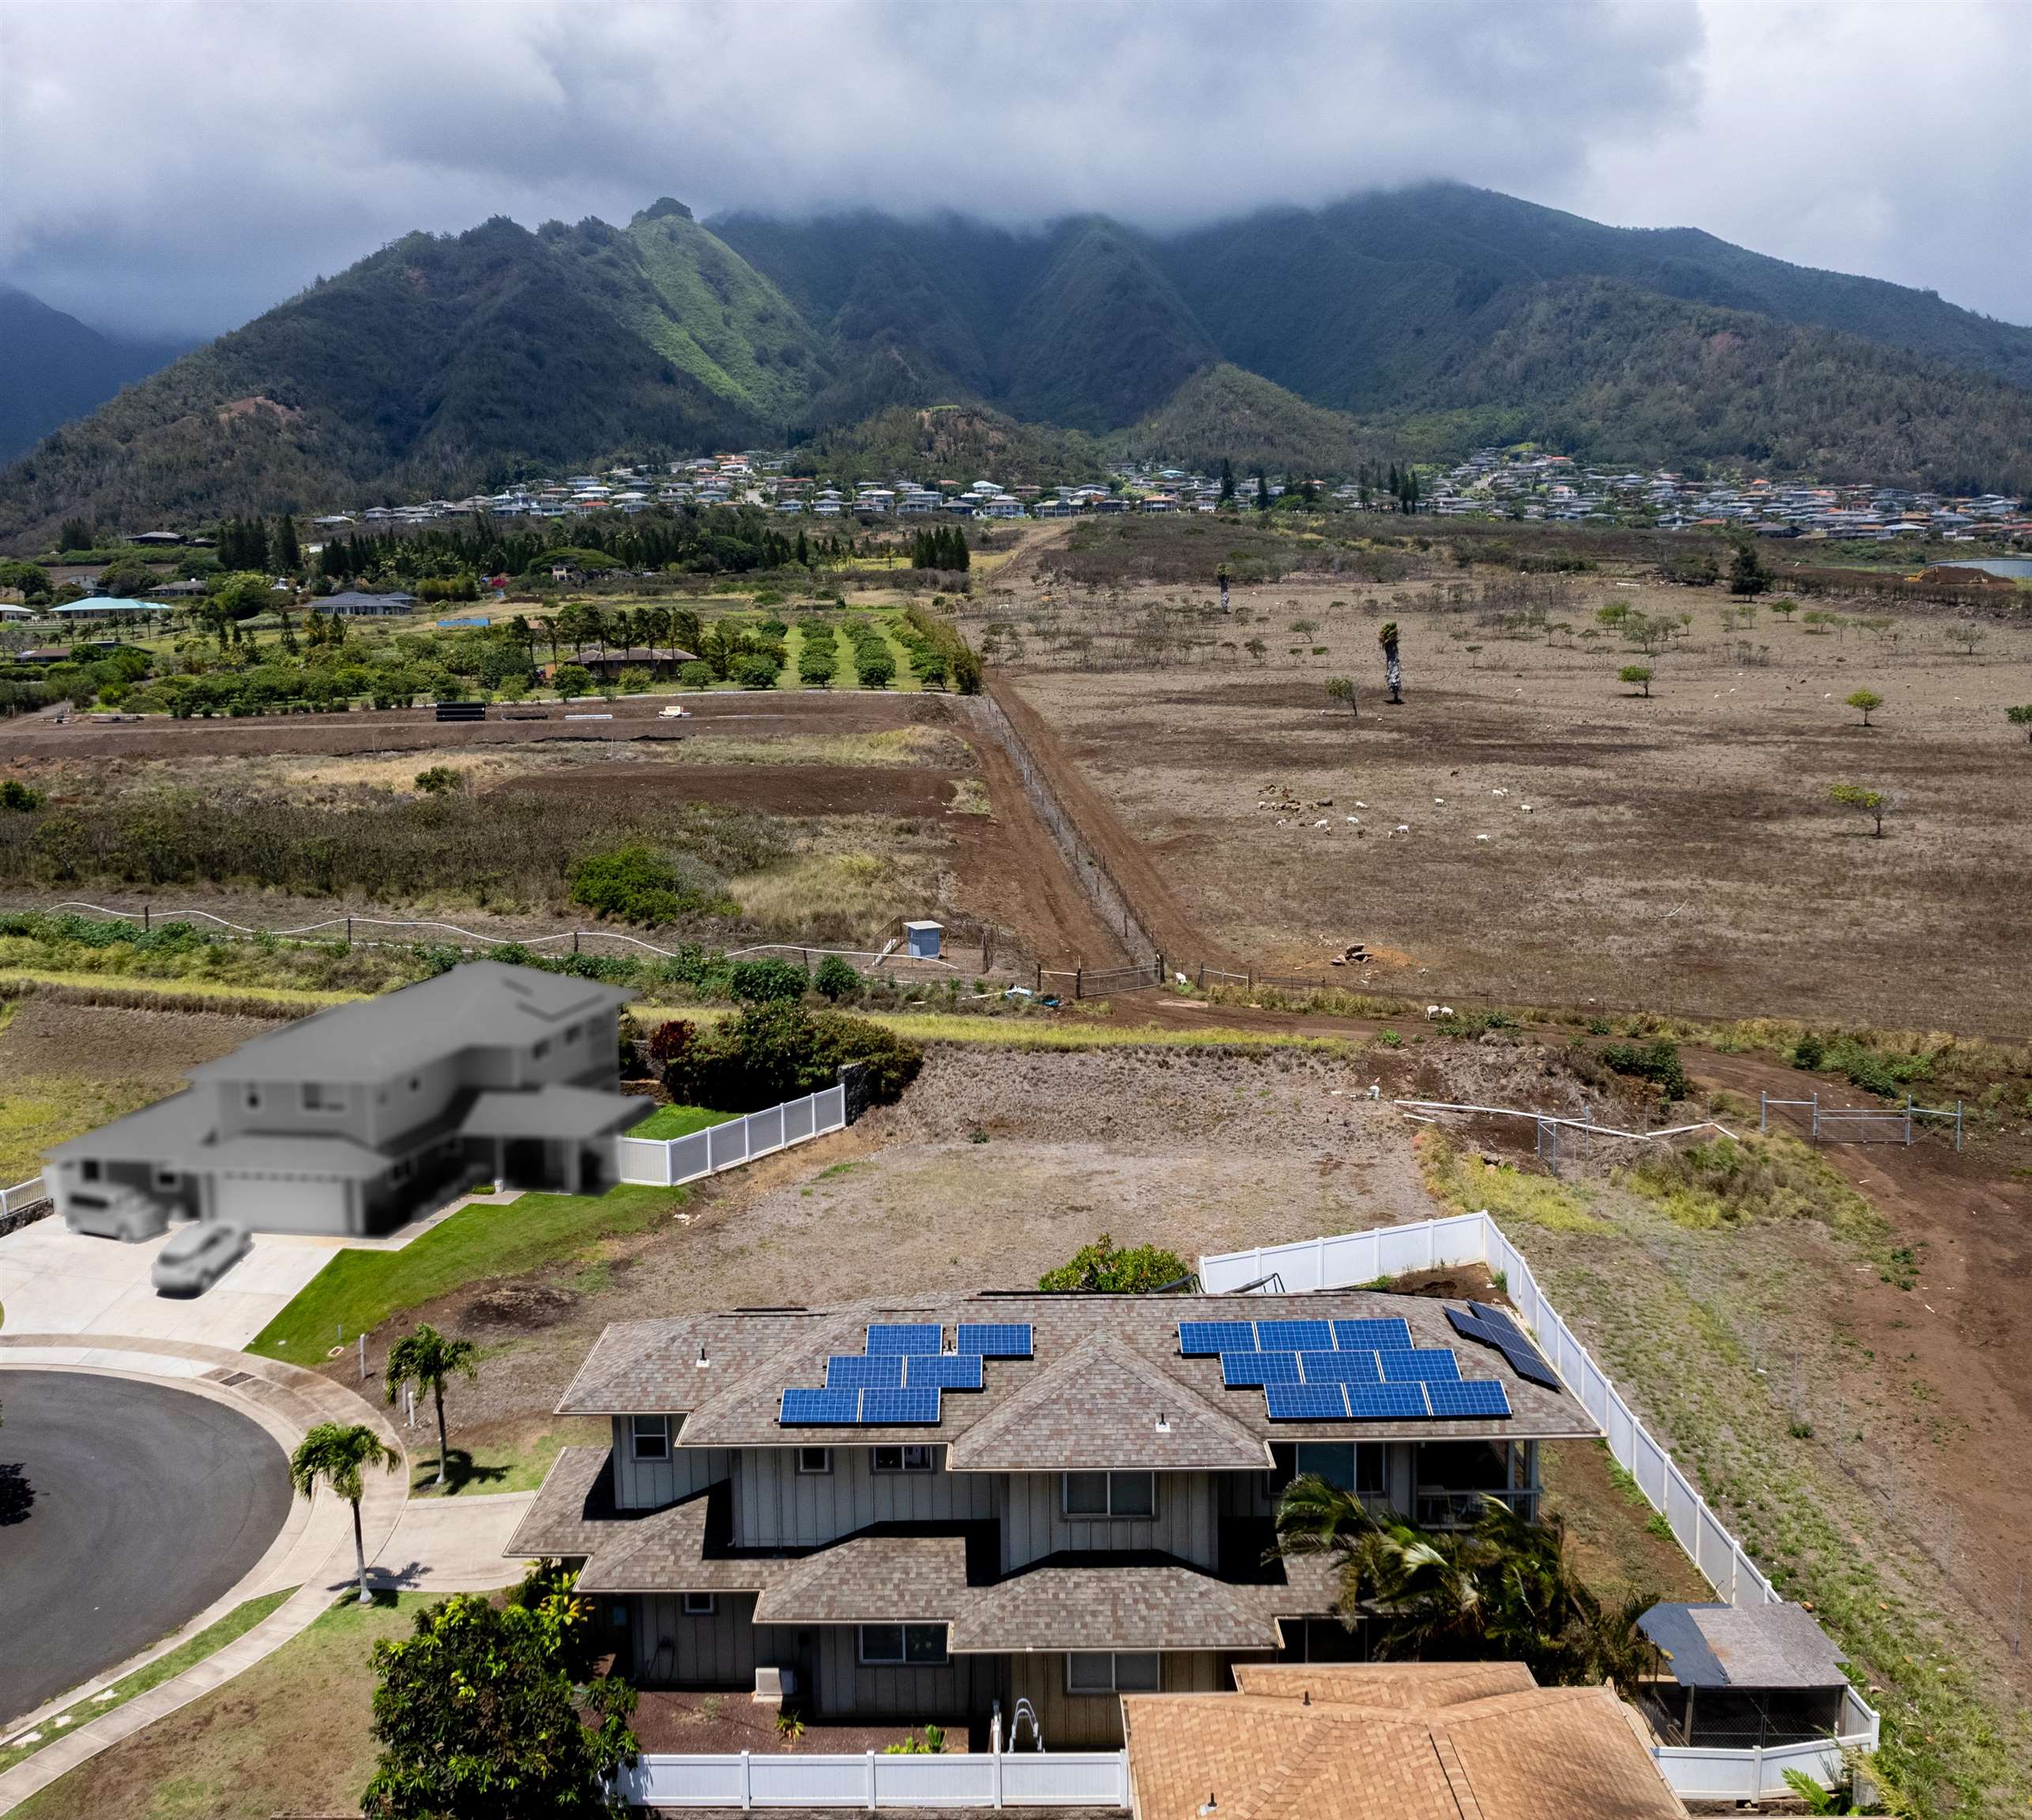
x,y
315,1554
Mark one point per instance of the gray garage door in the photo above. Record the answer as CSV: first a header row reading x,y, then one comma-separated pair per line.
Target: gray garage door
x,y
283,1204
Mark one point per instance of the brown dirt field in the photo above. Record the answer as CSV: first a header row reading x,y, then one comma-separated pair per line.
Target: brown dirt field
x,y
1681,852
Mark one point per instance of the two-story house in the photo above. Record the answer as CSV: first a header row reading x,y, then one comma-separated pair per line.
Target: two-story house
x,y
926,1508
354,1119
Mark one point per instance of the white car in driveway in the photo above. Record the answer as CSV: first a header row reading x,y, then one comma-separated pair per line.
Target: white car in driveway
x,y
116,1213
198,1256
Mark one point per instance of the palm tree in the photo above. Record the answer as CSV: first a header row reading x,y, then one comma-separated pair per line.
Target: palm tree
x,y
339,1456
426,1359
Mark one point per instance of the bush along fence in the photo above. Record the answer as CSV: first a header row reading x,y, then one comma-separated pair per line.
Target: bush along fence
x,y
1348,1259
877,1780
665,1162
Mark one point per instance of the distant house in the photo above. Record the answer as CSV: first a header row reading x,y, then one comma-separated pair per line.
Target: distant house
x,y
354,604
352,1121
613,660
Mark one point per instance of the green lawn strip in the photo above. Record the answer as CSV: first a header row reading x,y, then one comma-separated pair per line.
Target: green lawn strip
x,y
289,1736
519,1468
188,1654
358,1290
679,1121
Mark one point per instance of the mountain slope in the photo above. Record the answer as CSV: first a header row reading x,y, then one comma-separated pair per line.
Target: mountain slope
x,y
1225,414
53,368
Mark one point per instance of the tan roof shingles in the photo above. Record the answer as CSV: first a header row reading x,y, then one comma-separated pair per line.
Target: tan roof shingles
x,y
872,1579
573,1515
1422,1745
671,1550
1079,1605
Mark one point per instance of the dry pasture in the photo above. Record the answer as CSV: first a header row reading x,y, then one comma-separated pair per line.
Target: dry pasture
x,y
1679,852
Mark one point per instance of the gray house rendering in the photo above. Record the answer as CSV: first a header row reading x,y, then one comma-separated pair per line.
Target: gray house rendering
x,y
929,1509
352,1121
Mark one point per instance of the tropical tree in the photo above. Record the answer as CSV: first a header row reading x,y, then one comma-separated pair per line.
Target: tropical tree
x,y
427,1358
1747,574
2020,716
1638,675
1393,670
338,1456
1342,688
1864,701
493,1712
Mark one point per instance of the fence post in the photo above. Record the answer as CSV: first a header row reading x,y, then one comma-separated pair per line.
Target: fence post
x,y
1957,1127
1041,979
1763,1112
146,924
1203,976
748,1783
871,1781
1079,974
575,941
349,931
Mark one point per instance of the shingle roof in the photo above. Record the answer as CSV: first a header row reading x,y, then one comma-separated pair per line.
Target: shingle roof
x,y
1419,1746
478,1003
1100,1411
554,1109
1744,1646
573,1514
1119,1601
681,1548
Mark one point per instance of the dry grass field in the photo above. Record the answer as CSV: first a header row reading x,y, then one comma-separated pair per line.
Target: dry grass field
x,y
1678,853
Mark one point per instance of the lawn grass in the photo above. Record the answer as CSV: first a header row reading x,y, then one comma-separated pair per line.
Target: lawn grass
x,y
520,1466
359,1290
679,1121
188,1654
288,1736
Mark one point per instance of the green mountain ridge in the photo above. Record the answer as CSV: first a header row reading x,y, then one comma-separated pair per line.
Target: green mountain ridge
x,y
1417,322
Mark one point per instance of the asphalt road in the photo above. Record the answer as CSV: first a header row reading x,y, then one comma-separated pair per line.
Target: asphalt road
x,y
124,1509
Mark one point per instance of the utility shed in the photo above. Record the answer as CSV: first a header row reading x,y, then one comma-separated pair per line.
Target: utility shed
x,y
921,941
1740,1676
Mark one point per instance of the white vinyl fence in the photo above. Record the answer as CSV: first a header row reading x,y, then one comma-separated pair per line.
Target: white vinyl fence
x,y
1349,1259
22,1194
989,1779
663,1162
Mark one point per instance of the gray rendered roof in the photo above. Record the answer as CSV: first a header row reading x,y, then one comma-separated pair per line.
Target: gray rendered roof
x,y
1744,1646
552,1111
474,1005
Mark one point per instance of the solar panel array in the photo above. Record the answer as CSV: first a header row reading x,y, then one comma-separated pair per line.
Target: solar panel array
x,y
1344,1371
1492,1327
898,1382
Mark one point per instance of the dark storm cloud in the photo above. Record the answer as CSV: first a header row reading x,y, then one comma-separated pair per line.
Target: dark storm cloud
x,y
181,168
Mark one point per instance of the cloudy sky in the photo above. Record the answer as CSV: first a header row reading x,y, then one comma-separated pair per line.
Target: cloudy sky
x,y
177,168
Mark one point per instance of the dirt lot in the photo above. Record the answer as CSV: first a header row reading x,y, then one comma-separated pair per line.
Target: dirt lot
x,y
1679,852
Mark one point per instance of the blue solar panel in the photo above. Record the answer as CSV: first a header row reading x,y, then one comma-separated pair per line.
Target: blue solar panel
x,y
1471,1396
911,1336
1423,1366
996,1339
1492,1327
815,1407
1203,1339
1339,1367
1258,1368
1387,1402
1307,1402
1390,1334
1295,1336
942,1371
887,1408
851,1371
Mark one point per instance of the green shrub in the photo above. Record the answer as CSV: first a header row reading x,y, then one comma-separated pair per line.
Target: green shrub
x,y
835,978
756,672
1100,1269
1656,1061
777,1051
16,794
439,780
1809,1052
635,884
696,675
763,982
1887,1075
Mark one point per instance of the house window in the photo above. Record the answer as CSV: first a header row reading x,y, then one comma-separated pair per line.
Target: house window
x,y
165,1178
322,1098
700,1605
571,1032
1109,1494
896,1645
1141,1672
814,1460
254,1099
900,1459
1356,1466
88,1170
650,1435
541,1050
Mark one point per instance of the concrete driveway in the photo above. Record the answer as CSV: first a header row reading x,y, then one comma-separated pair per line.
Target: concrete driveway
x,y
53,1280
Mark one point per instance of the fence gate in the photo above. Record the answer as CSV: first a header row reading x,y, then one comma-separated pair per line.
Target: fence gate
x,y
1863,1124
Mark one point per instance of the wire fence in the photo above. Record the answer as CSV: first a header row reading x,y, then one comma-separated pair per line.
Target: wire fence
x,y
1862,1124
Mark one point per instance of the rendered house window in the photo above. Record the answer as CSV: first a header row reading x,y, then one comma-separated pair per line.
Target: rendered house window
x,y
898,1645
650,1435
88,1169
541,1050
254,1099
1139,1673
1109,1494
900,1459
321,1099
700,1605
814,1460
